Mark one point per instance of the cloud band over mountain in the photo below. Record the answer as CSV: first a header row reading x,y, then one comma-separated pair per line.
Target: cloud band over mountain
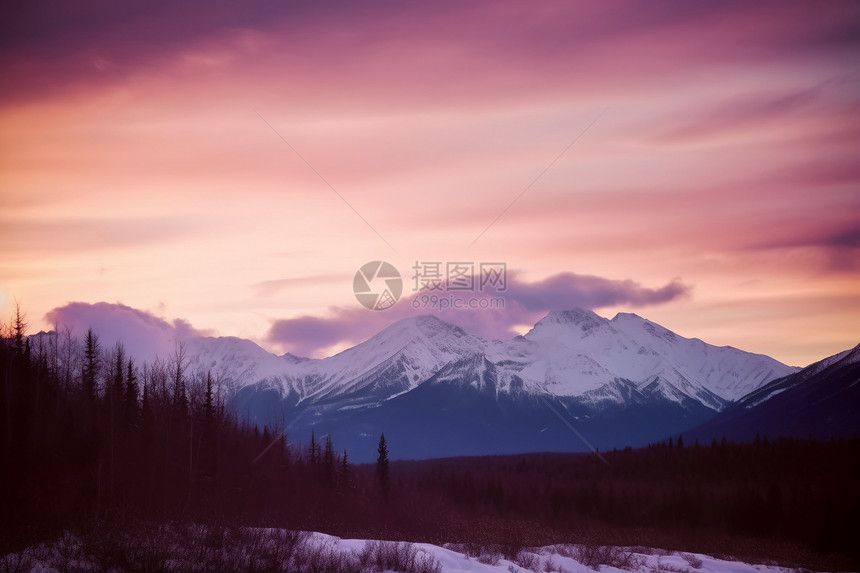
x,y
523,303
146,335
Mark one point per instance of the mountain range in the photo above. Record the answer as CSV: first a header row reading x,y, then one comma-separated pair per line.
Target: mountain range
x,y
576,381
819,402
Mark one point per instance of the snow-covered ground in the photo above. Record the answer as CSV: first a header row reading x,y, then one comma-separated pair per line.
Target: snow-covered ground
x,y
201,548
570,558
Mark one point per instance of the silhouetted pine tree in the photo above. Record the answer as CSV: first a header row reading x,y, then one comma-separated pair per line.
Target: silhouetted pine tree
x,y
328,461
314,461
130,394
382,468
19,330
91,366
180,398
208,445
345,478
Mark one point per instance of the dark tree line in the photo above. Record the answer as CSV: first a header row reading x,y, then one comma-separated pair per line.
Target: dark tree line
x,y
90,435
781,499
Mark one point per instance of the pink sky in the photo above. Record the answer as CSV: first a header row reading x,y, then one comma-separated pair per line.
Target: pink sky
x,y
717,193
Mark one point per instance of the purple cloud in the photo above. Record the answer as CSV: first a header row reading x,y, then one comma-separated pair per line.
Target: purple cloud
x,y
73,44
569,290
143,334
523,303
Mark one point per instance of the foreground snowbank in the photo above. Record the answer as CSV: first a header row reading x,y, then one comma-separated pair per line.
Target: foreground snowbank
x,y
572,559
190,547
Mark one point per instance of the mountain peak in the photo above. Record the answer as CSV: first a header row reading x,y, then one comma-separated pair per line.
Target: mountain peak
x,y
425,319
434,328
430,321
853,355
577,316
577,323
633,322
425,335
424,326
628,316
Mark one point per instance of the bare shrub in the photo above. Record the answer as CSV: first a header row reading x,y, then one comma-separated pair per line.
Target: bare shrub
x,y
267,550
470,549
527,560
15,563
510,547
643,550
324,558
148,549
669,568
490,557
165,548
488,553
565,550
692,560
397,556
621,558
593,556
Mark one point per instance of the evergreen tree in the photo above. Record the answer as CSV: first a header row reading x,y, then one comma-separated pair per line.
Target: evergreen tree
x,y
145,406
19,330
91,365
209,401
118,380
208,454
382,465
314,450
345,477
180,399
328,460
130,394
113,399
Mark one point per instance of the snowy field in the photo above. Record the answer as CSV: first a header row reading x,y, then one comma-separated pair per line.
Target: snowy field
x,y
182,548
575,558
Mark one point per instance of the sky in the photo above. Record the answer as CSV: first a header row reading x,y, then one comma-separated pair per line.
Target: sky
x,y
204,168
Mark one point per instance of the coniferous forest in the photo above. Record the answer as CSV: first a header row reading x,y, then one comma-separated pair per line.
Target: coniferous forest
x,y
90,437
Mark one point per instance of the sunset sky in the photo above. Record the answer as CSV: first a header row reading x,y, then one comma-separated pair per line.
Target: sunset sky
x,y
149,159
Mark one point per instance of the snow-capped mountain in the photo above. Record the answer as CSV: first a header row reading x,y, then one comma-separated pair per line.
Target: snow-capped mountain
x,y
821,401
625,380
571,353
391,362
578,351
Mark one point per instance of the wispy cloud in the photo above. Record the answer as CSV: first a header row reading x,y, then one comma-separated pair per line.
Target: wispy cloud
x,y
133,167
272,287
524,304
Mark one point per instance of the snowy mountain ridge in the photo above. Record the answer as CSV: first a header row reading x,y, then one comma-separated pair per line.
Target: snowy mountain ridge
x,y
573,353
